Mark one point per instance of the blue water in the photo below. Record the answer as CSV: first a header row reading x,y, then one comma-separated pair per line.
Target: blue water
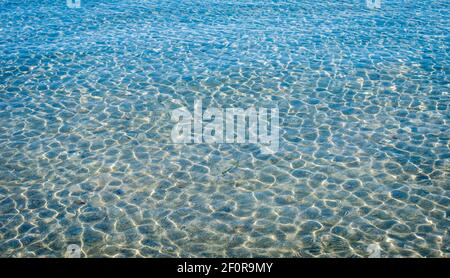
x,y
86,156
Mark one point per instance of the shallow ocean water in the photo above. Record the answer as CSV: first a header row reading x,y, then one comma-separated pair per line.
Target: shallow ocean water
x,y
85,150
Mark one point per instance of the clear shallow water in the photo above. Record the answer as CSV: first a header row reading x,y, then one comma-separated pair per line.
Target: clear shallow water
x,y
85,150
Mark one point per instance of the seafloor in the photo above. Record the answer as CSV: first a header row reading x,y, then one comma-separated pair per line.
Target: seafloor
x,y
86,155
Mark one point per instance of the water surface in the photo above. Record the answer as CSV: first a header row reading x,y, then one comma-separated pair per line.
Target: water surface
x,y
85,150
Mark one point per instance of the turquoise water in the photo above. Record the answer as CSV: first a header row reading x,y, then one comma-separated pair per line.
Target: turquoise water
x,y
86,156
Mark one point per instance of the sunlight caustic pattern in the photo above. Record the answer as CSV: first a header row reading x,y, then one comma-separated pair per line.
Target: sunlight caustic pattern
x,y
86,157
